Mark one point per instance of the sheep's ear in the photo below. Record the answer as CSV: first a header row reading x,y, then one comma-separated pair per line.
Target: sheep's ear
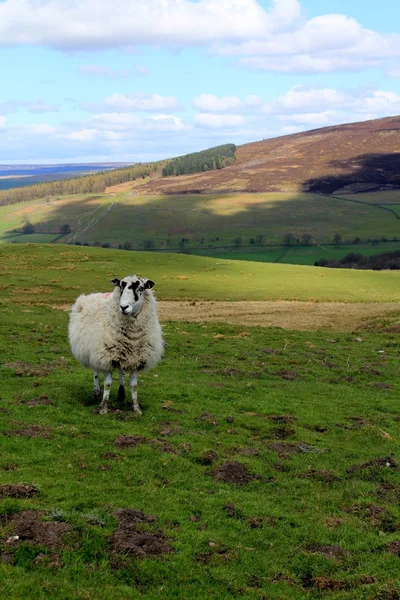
x,y
115,281
148,284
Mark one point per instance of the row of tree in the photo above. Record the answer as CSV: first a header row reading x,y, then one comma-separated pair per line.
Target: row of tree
x,y
86,184
206,160
377,262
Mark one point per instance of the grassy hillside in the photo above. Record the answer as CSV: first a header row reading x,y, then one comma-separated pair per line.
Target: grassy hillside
x,y
265,464
202,220
53,274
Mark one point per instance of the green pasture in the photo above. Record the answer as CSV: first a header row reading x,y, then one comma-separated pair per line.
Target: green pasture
x,y
203,219
300,255
308,420
58,273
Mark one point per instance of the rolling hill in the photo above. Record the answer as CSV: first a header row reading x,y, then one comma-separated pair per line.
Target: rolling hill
x,y
336,180
320,160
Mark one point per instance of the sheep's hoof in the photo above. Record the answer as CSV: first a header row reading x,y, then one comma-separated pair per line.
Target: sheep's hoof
x,y
137,410
96,396
121,393
100,410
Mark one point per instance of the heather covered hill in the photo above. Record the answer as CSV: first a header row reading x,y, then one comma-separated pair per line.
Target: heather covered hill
x,y
364,156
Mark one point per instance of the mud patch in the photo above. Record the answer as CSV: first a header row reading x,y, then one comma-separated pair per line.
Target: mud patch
x,y
168,428
393,547
386,462
110,456
322,475
288,374
33,431
328,584
133,537
246,451
383,386
164,446
129,441
336,552
282,433
233,472
286,449
42,399
18,490
27,526
207,458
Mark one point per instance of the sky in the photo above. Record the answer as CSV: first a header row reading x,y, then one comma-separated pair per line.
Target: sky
x,y
141,80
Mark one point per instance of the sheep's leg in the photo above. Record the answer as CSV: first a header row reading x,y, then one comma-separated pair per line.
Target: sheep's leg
x,y
133,386
96,386
121,389
103,408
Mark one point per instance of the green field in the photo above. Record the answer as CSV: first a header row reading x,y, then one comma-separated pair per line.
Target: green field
x,y
300,255
268,459
59,273
205,220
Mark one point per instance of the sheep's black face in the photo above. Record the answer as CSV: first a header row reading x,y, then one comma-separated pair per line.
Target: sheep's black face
x,y
133,290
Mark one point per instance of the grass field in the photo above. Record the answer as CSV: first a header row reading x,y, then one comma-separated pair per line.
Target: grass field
x,y
265,464
59,273
300,255
208,219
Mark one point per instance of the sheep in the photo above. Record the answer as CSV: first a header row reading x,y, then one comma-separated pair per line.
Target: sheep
x,y
117,330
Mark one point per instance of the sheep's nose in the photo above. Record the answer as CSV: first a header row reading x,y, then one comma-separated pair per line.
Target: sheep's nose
x,y
124,308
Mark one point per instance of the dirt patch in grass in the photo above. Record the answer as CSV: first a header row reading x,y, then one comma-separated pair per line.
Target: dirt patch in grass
x,y
233,472
383,386
288,374
133,537
33,431
389,492
286,449
42,399
18,490
328,584
246,451
322,475
29,527
386,462
129,441
393,547
207,458
292,315
282,433
336,552
165,446
168,428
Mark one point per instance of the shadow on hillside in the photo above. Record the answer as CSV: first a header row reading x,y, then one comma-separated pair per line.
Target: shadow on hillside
x,y
216,220
379,169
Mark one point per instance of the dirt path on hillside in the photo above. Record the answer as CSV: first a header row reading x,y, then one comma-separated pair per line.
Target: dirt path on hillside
x,y
301,316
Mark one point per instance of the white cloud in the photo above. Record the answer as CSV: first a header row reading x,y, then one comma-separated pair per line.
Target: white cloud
x,y
84,135
218,120
278,39
134,102
2,123
95,24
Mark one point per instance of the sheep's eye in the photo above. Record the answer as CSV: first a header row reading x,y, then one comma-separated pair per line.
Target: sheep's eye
x,y
141,289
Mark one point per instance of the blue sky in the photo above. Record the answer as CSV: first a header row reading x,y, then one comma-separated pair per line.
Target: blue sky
x,y
137,80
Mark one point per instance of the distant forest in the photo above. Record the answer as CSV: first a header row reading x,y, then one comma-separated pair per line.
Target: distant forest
x,y
87,184
378,262
206,160
213,158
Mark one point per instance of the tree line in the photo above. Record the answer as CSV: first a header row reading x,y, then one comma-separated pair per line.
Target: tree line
x,y
86,184
196,162
352,260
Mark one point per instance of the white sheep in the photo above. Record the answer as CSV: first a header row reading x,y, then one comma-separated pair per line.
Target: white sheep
x,y
118,330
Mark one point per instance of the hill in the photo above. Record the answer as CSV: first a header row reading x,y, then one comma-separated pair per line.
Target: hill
x,y
321,160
